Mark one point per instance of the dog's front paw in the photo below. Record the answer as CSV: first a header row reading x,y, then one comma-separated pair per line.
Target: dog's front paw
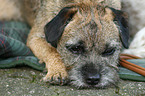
x,y
55,75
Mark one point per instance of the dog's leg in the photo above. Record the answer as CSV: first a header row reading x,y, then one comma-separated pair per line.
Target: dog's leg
x,y
48,54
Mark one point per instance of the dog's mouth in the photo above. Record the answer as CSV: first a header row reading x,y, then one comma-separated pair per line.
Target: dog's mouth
x,y
90,76
94,82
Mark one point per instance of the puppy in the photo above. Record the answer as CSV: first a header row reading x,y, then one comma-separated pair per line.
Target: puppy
x,y
78,40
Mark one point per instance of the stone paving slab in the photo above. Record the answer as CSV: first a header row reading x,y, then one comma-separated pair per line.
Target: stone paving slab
x,y
25,81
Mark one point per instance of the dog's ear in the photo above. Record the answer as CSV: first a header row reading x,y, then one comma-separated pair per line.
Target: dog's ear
x,y
121,18
54,29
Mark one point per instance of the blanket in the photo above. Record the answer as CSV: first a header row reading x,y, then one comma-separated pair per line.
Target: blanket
x,y
13,49
14,52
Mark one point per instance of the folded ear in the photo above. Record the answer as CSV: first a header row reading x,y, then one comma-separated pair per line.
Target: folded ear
x,y
54,29
121,18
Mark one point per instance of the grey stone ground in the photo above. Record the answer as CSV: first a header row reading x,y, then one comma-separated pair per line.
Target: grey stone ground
x,y
25,81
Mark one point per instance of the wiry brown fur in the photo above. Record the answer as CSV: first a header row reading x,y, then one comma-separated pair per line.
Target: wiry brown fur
x,y
102,26
93,24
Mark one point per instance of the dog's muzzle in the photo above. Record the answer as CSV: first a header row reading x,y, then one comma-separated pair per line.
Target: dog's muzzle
x,y
91,75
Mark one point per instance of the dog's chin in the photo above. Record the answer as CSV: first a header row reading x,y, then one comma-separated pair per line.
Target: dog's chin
x,y
104,83
109,79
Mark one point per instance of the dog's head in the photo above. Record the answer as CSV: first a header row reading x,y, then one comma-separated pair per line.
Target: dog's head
x,y
89,39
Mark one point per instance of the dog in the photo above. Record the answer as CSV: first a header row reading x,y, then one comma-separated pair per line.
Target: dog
x,y
78,40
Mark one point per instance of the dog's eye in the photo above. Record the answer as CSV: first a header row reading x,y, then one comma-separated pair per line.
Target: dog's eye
x,y
108,52
76,49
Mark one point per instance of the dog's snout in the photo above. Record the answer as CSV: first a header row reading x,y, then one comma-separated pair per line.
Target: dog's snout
x,y
91,74
93,79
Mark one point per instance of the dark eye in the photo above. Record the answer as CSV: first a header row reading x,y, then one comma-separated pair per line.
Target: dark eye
x,y
76,49
108,52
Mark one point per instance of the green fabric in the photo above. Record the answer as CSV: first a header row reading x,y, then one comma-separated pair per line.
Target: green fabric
x,y
13,49
14,52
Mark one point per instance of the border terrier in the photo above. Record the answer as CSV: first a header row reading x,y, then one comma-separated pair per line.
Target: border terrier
x,y
78,40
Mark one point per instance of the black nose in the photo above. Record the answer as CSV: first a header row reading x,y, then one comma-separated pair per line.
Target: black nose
x,y
91,74
93,79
